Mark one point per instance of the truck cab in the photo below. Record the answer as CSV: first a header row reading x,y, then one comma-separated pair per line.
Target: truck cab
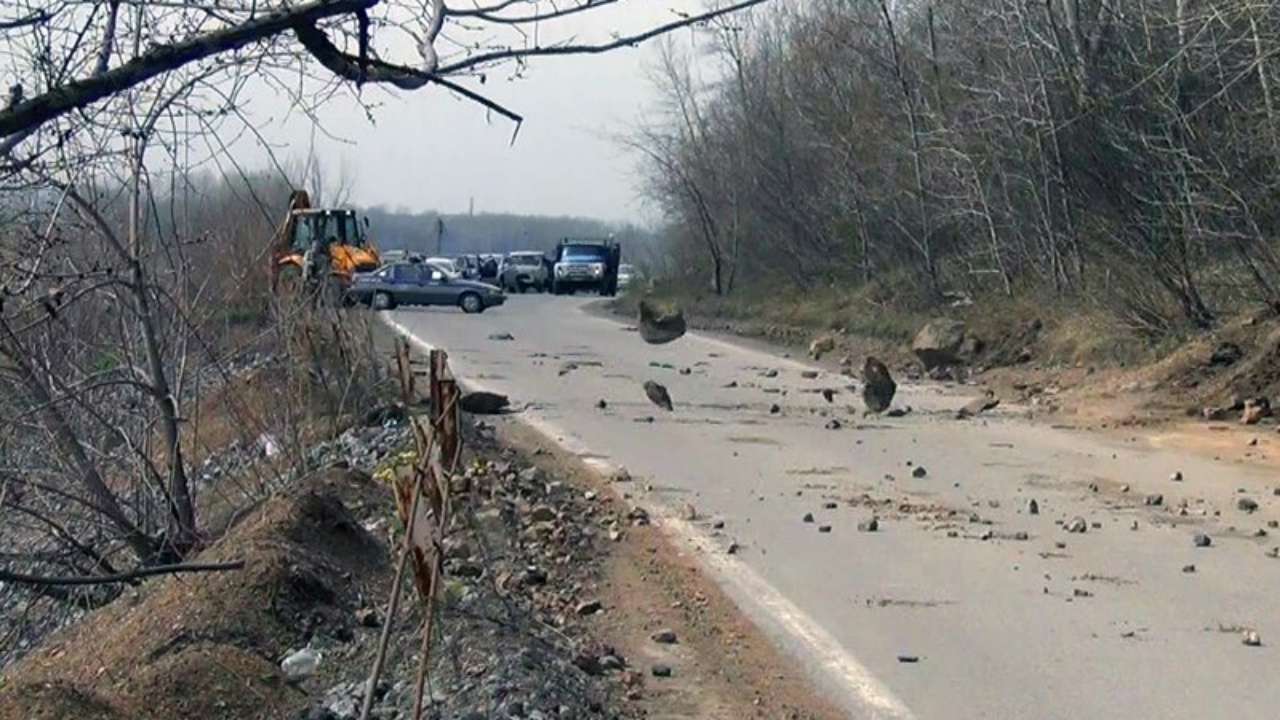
x,y
586,264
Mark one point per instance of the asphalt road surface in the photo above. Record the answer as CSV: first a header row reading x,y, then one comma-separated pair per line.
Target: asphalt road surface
x,y
962,604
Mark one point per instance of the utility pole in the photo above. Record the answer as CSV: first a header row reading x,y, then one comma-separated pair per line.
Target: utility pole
x,y
439,235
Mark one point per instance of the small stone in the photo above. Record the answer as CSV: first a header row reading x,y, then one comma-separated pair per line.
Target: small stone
x,y
919,472
1201,540
590,607
1246,505
1133,525
770,373
833,424
686,371
824,528
986,535
809,374
542,513
665,636
908,658
1077,524
1153,499
871,525
368,617
1273,552
774,409
502,336
733,548
1124,488
718,525
301,664
1176,476
611,662
1251,639
601,404
661,671
1188,568
1033,507
829,506
808,517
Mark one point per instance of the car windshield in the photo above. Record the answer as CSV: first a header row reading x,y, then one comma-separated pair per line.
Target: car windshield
x,y
525,260
590,253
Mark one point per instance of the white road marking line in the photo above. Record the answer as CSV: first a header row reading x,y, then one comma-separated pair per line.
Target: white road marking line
x,y
858,689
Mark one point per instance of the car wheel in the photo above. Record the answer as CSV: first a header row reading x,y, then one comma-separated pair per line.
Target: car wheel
x,y
471,303
382,301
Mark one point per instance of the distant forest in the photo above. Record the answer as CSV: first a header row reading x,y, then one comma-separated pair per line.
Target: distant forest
x,y
491,232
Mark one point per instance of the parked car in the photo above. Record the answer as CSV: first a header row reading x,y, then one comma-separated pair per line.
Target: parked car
x,y
627,274
468,266
524,270
451,266
422,284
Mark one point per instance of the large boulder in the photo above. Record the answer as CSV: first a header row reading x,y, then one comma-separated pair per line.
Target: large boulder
x,y
878,386
659,325
484,403
942,343
821,346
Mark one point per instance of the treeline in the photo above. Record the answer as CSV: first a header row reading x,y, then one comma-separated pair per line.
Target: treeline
x,y
1113,151
428,232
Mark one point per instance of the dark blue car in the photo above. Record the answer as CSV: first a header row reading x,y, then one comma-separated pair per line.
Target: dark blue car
x,y
422,284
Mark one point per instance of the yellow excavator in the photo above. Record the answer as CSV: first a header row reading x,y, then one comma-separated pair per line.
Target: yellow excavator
x,y
319,247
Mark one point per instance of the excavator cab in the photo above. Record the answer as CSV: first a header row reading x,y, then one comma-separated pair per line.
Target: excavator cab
x,y
320,246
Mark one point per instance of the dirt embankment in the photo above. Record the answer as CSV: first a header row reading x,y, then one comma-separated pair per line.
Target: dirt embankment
x,y
560,601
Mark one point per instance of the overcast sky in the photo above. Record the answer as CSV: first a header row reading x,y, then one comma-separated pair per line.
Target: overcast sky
x,y
431,151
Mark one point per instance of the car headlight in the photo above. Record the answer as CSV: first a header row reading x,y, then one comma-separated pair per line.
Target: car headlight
x,y
560,269
597,269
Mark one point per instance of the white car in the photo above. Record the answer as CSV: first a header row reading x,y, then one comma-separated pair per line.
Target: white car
x,y
449,266
626,275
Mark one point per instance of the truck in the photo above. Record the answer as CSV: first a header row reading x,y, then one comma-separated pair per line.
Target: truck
x,y
586,264
316,248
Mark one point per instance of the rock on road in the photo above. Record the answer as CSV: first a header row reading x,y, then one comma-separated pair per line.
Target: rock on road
x,y
961,603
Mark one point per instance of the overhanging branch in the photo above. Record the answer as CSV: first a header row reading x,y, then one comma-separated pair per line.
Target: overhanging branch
x,y
51,581
42,108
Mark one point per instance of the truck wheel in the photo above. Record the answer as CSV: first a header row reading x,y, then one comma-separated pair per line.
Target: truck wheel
x,y
382,301
471,303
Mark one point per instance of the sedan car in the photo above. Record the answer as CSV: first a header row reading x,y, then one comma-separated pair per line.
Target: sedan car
x,y
422,284
626,275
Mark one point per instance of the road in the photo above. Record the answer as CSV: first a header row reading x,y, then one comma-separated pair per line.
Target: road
x,y
1110,623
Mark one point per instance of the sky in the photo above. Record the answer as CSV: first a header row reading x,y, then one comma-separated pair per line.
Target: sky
x,y
429,150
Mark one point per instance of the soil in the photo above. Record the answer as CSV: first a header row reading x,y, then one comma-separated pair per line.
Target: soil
x,y
209,643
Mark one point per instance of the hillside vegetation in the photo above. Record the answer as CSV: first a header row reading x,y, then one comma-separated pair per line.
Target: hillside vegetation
x,y
1072,157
